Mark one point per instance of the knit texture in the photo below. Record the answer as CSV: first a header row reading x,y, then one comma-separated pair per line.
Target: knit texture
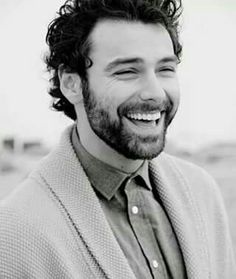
x,y
53,226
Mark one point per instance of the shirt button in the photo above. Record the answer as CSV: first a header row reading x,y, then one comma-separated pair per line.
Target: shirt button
x,y
155,264
134,209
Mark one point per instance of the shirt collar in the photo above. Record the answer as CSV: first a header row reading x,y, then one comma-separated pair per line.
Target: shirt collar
x,y
103,177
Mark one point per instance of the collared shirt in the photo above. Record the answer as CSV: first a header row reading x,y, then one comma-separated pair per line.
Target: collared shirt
x,y
136,217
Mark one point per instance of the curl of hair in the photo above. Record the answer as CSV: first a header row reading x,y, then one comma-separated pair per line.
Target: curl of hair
x,y
68,35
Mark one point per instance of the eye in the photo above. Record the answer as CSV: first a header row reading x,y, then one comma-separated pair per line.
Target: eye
x,y
168,69
126,74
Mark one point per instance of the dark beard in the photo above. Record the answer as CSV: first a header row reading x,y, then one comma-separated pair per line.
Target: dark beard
x,y
114,134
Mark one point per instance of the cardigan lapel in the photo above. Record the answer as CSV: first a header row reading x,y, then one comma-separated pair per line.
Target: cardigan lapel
x,y
183,213
70,185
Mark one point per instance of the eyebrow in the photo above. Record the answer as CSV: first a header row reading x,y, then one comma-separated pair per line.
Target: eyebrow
x,y
136,60
122,61
171,58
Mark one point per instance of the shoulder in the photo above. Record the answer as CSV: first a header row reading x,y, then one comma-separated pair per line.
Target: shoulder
x,y
27,198
30,224
200,188
184,169
29,203
196,180
24,210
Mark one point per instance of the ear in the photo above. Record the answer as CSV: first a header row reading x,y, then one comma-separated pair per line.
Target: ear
x,y
70,85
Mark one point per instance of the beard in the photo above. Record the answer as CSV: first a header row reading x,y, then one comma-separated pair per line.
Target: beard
x,y
108,124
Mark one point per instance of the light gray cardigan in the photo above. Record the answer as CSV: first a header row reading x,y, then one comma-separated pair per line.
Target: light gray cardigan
x,y
53,226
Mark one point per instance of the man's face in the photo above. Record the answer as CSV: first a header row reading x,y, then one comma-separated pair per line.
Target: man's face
x,y
133,92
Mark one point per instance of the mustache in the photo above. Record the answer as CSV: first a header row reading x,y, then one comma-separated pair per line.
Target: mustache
x,y
147,106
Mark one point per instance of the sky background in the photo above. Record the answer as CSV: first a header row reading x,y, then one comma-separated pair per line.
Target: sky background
x,y
207,73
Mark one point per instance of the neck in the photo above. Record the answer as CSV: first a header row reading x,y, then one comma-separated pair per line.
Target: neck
x,y
100,150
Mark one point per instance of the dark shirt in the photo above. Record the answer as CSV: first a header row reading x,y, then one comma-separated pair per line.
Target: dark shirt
x,y
135,215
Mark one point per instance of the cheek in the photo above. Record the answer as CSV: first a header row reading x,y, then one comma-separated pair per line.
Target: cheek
x,y
108,102
173,91
116,93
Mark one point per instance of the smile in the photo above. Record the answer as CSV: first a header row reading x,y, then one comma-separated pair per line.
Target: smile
x,y
147,119
145,116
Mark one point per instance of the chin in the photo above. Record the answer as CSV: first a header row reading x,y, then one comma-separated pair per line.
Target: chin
x,y
144,151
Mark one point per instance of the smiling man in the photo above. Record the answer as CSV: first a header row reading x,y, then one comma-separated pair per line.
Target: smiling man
x,y
132,92
108,202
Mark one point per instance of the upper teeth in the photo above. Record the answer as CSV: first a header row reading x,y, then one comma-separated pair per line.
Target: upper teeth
x,y
142,116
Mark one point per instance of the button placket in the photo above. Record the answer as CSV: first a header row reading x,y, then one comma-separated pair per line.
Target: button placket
x,y
136,210
133,204
136,216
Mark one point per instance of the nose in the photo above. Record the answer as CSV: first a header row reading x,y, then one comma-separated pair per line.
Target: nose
x,y
152,88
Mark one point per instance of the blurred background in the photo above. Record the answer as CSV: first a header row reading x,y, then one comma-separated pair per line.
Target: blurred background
x,y
203,131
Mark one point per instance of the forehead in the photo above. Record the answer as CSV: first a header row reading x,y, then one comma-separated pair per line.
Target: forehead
x,y
111,39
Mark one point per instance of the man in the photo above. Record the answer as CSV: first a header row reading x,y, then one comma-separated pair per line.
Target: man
x,y
108,202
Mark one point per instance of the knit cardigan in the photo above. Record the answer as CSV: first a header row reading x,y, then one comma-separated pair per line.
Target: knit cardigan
x,y
52,226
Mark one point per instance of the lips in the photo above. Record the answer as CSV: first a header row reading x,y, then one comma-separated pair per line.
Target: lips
x,y
144,119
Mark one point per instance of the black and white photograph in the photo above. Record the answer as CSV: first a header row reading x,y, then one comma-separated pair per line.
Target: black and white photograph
x,y
118,139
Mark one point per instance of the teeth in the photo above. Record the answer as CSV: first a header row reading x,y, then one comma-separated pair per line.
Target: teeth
x,y
145,116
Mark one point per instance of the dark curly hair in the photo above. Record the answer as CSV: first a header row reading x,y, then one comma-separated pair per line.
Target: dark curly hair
x,y
68,42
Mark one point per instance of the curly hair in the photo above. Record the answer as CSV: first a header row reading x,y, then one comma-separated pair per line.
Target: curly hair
x,y
68,35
